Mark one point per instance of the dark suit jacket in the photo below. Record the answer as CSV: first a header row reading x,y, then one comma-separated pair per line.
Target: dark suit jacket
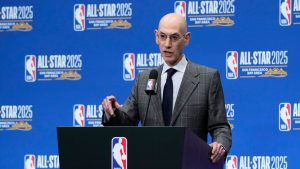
x,y
199,105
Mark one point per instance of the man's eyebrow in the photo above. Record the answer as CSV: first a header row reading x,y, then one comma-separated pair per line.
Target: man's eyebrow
x,y
170,34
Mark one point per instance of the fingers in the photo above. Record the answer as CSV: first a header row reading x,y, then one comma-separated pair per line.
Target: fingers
x,y
108,104
218,152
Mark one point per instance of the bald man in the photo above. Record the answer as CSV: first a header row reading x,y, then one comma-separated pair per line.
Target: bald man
x,y
195,100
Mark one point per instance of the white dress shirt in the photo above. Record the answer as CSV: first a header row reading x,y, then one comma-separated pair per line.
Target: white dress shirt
x,y
177,78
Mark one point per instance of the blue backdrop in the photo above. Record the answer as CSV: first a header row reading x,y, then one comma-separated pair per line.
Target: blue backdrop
x,y
60,59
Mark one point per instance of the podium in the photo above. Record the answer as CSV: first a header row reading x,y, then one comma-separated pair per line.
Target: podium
x,y
147,148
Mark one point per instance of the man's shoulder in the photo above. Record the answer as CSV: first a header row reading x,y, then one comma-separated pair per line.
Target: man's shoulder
x,y
201,69
145,73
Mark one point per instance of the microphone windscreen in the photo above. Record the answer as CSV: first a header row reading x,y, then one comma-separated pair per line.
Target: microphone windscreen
x,y
153,74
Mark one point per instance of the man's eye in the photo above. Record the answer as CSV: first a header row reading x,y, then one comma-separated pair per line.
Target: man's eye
x,y
163,36
175,37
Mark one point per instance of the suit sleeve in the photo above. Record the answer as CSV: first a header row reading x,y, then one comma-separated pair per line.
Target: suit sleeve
x,y
218,125
128,114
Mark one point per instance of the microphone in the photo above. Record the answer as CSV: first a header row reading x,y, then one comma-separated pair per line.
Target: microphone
x,y
151,89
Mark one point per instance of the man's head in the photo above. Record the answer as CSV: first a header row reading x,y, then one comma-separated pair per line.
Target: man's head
x,y
172,37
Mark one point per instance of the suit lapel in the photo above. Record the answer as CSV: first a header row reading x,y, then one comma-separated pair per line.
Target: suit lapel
x,y
157,100
189,82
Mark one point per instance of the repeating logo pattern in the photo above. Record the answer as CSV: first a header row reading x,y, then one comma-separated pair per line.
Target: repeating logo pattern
x,y
102,16
231,162
289,116
30,68
79,17
252,64
289,12
16,117
87,115
32,161
232,65
138,62
16,18
79,115
128,66
206,13
53,67
29,161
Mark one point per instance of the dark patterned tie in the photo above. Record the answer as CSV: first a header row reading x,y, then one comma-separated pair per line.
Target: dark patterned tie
x,y
167,104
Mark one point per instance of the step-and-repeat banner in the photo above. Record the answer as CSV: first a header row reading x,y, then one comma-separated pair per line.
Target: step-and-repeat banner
x,y
59,59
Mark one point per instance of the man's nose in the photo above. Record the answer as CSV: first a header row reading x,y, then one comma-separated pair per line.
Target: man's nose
x,y
168,43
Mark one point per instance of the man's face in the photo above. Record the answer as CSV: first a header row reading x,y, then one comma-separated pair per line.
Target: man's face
x,y
171,41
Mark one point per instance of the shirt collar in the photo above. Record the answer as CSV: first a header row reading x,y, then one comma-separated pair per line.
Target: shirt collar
x,y
180,67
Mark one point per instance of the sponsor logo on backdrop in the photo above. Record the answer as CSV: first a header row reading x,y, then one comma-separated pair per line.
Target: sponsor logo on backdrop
x,y
205,13
32,161
16,18
119,153
253,64
30,68
79,17
53,67
78,115
102,16
289,116
87,115
230,114
129,66
180,8
232,65
260,161
29,161
289,12
134,63
231,162
16,117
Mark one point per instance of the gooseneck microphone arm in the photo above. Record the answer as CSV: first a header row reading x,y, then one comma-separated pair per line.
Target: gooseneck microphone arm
x,y
144,120
151,89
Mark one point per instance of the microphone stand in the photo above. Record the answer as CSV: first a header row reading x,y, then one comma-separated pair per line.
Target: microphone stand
x,y
144,120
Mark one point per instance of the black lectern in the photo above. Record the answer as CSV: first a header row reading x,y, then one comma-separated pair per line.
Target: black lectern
x,y
147,148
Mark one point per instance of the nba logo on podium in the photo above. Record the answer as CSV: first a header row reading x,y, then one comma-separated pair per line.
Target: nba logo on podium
x,y
231,162
285,12
79,17
285,117
232,65
119,153
29,161
78,115
128,66
180,8
30,68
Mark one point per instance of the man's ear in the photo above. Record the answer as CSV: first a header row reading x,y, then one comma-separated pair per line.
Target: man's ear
x,y
187,38
156,35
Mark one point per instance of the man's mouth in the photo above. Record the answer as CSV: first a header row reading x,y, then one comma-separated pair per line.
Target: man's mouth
x,y
168,53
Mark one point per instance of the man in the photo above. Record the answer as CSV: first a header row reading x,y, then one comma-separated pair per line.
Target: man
x,y
197,100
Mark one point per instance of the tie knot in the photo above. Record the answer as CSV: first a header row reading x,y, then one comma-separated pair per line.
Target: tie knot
x,y
171,72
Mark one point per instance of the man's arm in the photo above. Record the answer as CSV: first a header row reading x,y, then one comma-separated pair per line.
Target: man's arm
x,y
126,115
217,122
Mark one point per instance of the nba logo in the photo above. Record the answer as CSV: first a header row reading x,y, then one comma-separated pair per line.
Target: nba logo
x,y
231,162
232,65
30,68
79,17
285,117
151,84
119,153
128,66
285,12
78,115
29,161
180,8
